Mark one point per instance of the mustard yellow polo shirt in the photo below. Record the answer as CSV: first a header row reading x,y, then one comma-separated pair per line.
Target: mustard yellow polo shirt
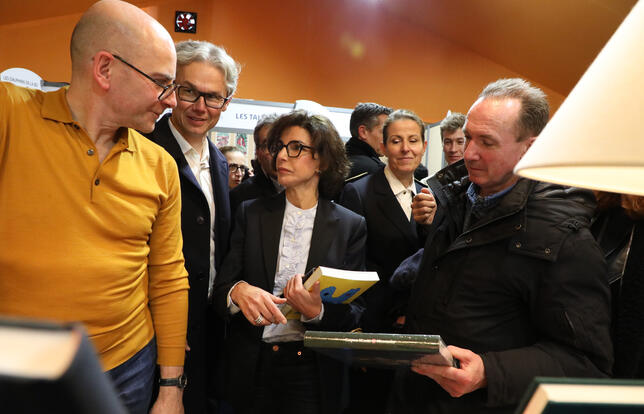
x,y
89,241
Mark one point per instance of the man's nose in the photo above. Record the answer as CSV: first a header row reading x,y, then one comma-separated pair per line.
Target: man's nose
x,y
200,104
170,101
471,152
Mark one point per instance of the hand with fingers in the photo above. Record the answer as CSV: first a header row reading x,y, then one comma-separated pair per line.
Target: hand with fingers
x,y
423,207
258,306
470,376
307,303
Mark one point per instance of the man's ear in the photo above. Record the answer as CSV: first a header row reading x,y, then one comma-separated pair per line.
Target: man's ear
x,y
223,108
102,69
362,133
528,143
382,148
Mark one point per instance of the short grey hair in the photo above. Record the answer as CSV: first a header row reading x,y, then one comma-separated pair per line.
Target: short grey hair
x,y
190,51
452,122
400,114
535,110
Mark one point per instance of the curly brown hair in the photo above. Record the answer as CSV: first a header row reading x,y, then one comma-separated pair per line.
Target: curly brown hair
x,y
334,165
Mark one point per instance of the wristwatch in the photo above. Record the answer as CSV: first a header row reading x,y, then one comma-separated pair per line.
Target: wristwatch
x,y
180,382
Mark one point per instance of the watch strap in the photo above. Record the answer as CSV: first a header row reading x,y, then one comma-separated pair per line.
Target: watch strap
x,y
181,382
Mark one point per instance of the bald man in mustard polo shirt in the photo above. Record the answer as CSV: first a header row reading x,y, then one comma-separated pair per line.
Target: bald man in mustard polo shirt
x,y
90,210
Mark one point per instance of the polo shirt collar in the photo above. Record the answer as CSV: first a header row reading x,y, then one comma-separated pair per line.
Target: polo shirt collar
x,y
56,108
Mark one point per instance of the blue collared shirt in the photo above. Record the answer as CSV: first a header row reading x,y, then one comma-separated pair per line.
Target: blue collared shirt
x,y
483,203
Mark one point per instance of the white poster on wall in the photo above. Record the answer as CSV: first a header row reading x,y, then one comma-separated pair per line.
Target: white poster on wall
x,y
243,114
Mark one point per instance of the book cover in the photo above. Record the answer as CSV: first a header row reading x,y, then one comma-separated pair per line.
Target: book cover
x,y
582,395
380,349
336,286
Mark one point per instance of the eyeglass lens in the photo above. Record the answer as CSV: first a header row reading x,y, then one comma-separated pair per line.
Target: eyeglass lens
x,y
237,167
192,95
293,148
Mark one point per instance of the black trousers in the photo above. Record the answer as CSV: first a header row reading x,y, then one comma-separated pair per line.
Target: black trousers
x,y
287,380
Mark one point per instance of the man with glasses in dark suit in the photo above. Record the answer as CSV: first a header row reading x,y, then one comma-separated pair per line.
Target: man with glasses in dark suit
x,y
207,79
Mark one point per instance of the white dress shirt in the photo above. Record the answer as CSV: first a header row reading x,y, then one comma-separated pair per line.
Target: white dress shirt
x,y
403,194
200,167
293,253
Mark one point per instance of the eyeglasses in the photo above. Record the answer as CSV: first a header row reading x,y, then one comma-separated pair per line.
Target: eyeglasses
x,y
167,89
233,168
261,147
293,148
192,95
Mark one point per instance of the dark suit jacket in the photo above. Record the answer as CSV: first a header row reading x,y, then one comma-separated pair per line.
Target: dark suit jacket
x,y
195,226
362,157
405,276
257,186
338,240
391,239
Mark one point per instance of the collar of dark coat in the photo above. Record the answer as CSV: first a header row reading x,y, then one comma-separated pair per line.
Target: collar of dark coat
x,y
419,185
390,208
163,136
448,174
355,146
511,204
261,178
535,218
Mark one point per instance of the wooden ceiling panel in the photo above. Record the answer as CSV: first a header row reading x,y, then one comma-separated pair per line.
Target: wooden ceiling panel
x,y
16,11
551,42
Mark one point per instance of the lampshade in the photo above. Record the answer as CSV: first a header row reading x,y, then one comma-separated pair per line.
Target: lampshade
x,y
596,139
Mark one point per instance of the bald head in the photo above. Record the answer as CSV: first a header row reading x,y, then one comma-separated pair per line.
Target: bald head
x,y
116,26
123,61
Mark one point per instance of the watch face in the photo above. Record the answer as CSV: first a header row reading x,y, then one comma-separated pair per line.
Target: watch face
x,y
183,381
185,22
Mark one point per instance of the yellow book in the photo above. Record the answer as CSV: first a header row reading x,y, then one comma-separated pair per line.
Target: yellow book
x,y
336,286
